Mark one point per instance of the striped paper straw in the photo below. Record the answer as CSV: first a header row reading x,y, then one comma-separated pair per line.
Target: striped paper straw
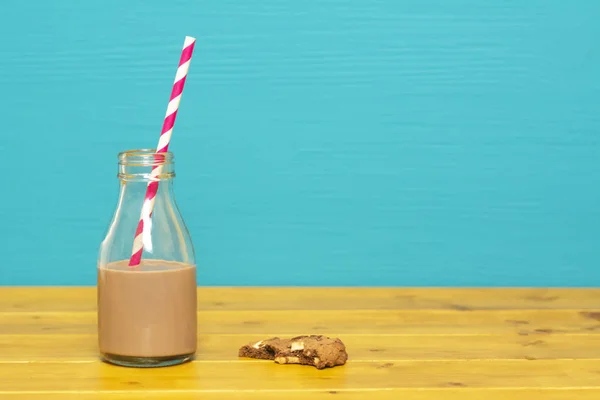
x,y
142,233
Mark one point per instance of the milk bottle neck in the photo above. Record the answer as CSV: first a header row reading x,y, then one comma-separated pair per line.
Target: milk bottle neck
x,y
145,166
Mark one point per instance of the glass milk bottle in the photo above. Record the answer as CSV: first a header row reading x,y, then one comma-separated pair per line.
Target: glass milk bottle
x,y
147,310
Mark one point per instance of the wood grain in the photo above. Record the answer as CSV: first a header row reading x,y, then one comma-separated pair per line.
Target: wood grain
x,y
379,394
25,299
411,343
82,347
270,376
523,322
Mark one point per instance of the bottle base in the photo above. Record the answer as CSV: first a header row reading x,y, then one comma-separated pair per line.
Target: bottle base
x,y
146,362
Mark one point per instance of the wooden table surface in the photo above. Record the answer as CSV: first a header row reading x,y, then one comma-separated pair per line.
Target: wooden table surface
x,y
421,344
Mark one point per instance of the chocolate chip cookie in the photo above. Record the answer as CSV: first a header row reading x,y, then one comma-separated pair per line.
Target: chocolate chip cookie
x,y
316,350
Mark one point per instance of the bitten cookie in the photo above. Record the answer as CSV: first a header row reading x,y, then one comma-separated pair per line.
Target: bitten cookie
x,y
316,350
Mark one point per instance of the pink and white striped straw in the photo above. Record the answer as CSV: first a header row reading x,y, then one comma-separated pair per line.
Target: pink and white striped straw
x,y
163,147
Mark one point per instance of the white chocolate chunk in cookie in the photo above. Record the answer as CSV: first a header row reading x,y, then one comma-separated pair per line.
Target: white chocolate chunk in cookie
x,y
258,345
297,346
287,360
316,360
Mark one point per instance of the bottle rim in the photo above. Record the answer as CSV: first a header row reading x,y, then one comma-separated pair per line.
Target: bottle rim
x,y
144,158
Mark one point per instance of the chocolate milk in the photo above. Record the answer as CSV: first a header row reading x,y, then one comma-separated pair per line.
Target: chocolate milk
x,y
149,311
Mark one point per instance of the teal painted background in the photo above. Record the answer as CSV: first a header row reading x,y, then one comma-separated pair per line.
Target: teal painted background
x,y
329,142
